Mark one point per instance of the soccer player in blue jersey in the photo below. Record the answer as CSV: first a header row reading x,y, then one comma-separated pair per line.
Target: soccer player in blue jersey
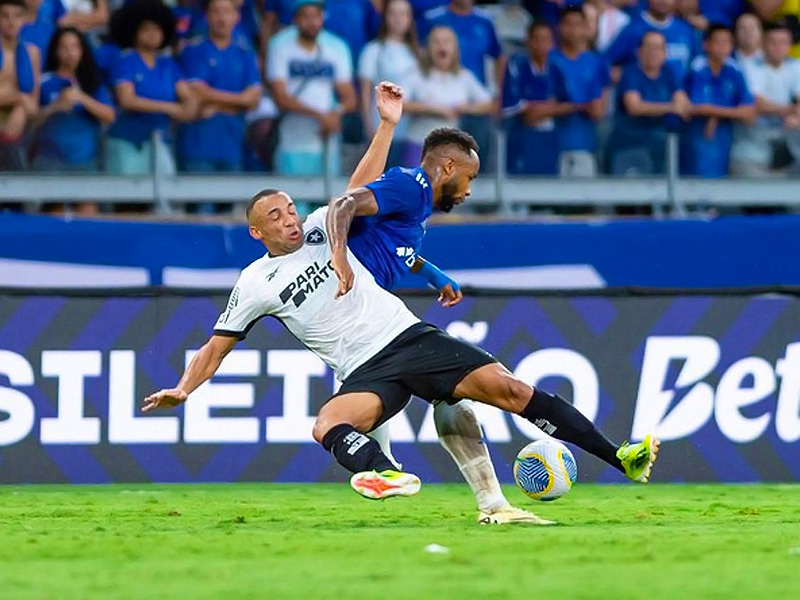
x,y
383,224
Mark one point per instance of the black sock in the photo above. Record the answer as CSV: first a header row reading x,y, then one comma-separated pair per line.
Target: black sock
x,y
557,417
355,451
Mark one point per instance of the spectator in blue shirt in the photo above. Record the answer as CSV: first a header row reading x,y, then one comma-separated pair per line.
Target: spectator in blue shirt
x,y
150,89
580,78
245,31
549,11
476,35
74,104
682,43
528,106
722,12
651,101
718,91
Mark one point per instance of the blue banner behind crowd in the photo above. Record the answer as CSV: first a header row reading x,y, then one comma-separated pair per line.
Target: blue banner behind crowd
x,y
717,377
40,251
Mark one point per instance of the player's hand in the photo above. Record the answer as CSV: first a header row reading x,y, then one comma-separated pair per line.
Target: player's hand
x,y
164,399
389,100
450,295
345,275
330,123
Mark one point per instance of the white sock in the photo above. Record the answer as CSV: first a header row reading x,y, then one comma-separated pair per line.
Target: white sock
x,y
460,434
381,435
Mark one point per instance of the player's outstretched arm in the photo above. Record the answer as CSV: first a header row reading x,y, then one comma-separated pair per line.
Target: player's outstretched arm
x,y
389,100
360,202
449,292
202,367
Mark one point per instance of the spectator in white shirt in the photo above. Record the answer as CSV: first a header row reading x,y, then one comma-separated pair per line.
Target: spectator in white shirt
x,y
774,81
392,56
307,73
440,92
749,34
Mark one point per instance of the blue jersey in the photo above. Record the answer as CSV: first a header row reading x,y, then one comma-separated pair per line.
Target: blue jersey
x,y
355,21
661,89
710,157
682,41
219,138
530,149
550,12
387,243
579,80
39,34
722,12
476,35
50,11
283,8
71,137
157,83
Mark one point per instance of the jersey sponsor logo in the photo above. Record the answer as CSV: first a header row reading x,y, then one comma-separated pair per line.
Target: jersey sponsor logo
x,y
306,283
315,237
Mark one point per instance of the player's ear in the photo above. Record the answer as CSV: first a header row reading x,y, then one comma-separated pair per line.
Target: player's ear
x,y
255,233
448,166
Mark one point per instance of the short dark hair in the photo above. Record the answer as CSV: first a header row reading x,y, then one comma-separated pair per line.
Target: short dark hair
x,y
571,10
778,25
265,193
449,136
716,28
17,3
536,24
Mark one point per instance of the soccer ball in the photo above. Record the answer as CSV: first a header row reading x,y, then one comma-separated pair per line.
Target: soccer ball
x,y
545,469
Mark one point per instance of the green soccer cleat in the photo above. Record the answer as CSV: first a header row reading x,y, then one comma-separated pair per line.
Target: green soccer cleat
x,y
638,459
377,486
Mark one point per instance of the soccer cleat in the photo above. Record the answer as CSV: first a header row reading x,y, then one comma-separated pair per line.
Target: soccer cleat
x,y
378,486
511,514
638,459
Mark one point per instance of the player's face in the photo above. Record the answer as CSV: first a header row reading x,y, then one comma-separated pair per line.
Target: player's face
x,y
653,52
540,43
275,222
10,21
661,8
309,21
573,29
777,45
459,172
222,16
149,36
748,32
720,45
69,51
398,17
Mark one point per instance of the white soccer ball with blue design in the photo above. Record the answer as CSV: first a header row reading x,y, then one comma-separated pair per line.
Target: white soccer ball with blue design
x,y
545,469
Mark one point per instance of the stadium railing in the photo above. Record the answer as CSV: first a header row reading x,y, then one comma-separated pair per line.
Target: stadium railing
x,y
508,194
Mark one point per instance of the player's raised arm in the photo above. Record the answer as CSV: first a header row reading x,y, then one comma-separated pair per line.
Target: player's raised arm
x,y
201,368
389,100
341,212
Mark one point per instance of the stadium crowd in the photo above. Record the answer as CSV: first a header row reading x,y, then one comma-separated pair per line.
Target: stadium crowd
x,y
581,86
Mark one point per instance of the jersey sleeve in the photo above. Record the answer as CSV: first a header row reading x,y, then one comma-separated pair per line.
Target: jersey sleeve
x,y
743,94
368,62
122,71
476,92
194,68
243,310
512,95
397,192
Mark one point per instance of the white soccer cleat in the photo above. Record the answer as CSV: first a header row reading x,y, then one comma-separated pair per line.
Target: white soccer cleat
x,y
511,514
377,486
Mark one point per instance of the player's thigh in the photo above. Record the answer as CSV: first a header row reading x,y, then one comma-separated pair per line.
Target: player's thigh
x,y
494,384
359,409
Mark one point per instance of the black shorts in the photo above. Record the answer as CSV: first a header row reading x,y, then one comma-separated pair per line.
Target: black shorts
x,y
423,361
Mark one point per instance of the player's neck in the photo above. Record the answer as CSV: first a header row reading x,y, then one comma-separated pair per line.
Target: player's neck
x,y
572,50
662,19
715,65
221,41
774,63
461,11
307,43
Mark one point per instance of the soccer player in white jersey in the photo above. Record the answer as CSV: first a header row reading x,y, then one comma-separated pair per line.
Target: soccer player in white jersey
x,y
380,351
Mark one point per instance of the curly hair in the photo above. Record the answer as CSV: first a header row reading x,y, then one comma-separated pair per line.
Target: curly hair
x,y
87,73
449,136
126,21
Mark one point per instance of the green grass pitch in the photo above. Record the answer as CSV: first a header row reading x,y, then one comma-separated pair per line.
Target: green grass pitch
x,y
318,542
